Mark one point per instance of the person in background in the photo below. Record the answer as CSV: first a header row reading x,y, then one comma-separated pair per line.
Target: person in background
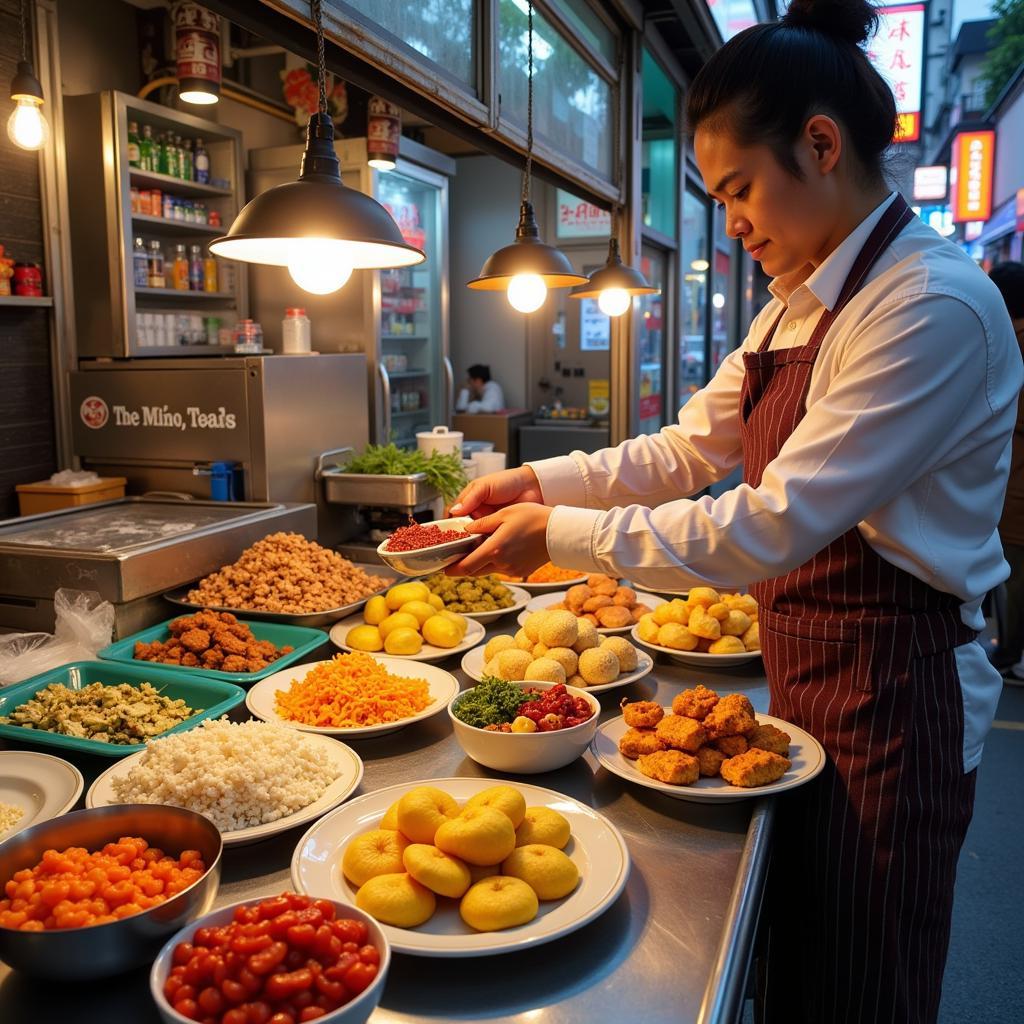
x,y
1009,279
481,394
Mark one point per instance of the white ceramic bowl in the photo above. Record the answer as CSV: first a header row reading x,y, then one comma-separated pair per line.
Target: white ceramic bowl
x,y
526,753
355,1012
434,559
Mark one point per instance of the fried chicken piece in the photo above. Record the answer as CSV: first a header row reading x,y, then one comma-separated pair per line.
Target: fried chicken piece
x,y
638,742
234,663
242,631
178,626
709,761
287,649
681,733
210,621
142,651
227,617
695,703
213,658
255,665
266,649
732,745
768,737
672,767
195,640
642,714
755,768
190,660
229,643
733,715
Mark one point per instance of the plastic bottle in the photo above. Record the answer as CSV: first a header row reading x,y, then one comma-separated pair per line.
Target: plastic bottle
x,y
179,269
195,269
140,264
156,265
295,331
209,274
147,160
187,170
201,163
134,154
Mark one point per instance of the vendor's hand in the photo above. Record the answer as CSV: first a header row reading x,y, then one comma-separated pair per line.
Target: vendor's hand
x,y
516,545
496,490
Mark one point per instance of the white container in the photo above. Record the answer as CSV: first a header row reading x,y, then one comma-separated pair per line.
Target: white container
x,y
488,462
440,439
295,332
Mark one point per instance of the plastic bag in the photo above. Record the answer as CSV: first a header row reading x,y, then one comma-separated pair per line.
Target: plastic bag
x,y
85,625
74,478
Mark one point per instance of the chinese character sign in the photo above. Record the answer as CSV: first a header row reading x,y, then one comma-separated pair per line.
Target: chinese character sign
x,y
897,52
970,176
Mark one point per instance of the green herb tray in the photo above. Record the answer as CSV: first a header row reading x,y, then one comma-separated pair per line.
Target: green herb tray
x,y
304,641
214,697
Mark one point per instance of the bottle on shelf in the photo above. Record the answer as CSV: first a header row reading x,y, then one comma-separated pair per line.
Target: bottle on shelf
x,y
195,269
140,264
209,274
156,265
147,150
179,269
134,155
168,207
187,170
201,163
173,163
295,331
163,157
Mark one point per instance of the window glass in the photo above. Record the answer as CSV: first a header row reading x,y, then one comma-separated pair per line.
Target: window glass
x,y
694,253
659,149
722,297
651,409
732,16
590,27
573,108
444,31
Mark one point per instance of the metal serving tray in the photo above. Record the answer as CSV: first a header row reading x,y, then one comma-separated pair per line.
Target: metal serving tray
x,y
312,619
410,491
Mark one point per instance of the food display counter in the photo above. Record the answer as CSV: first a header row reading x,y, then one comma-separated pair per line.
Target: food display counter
x,y
676,945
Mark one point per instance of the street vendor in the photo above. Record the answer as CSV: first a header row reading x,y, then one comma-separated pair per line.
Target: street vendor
x,y
871,406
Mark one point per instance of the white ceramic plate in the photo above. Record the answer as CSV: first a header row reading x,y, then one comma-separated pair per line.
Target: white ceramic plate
x,y
473,666
545,601
596,847
260,700
805,752
545,588
474,634
42,785
348,762
520,599
698,658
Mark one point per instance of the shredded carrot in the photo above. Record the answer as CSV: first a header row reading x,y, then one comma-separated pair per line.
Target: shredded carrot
x,y
351,691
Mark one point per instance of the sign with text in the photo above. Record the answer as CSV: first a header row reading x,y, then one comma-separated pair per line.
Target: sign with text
x,y
931,182
580,219
971,176
897,52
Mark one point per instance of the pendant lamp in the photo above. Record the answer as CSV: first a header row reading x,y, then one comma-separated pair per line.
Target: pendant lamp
x,y
317,227
527,268
615,284
26,127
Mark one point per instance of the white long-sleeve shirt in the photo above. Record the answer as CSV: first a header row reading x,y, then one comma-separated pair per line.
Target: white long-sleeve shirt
x,y
910,411
491,400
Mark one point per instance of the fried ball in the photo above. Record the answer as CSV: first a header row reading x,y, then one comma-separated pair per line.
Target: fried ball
x,y
539,651
597,602
601,584
625,596
755,768
496,645
719,611
732,745
512,664
733,715
647,629
703,596
669,766
532,625
522,641
559,629
544,670
614,617
578,681
682,733
676,610
639,611
768,737
642,714
676,637
742,603
709,761
736,623
566,657
695,703
727,645
624,651
752,638
598,665
637,742
587,636
576,596
704,625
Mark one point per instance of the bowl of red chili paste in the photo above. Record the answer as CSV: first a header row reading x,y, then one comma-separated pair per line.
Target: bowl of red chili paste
x,y
420,548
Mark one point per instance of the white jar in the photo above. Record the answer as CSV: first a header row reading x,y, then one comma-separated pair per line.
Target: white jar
x,y
296,338
440,439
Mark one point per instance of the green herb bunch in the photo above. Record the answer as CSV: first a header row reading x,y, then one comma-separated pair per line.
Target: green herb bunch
x,y
492,702
444,472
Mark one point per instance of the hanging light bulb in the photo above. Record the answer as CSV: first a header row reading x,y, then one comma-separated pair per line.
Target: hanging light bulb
x,y
527,269
26,127
614,301
615,284
316,227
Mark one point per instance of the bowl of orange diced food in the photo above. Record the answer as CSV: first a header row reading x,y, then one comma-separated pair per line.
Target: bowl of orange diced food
x,y
97,892
548,577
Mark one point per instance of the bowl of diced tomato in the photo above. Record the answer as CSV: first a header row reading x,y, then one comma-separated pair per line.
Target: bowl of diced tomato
x,y
285,959
97,892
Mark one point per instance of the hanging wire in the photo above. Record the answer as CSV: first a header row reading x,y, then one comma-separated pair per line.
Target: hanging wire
x,y
529,104
24,30
318,21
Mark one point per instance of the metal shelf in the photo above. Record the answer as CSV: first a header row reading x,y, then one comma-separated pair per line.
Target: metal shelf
x,y
26,300
180,294
176,186
162,225
143,351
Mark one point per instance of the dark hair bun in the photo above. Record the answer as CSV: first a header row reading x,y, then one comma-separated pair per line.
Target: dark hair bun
x,y
851,20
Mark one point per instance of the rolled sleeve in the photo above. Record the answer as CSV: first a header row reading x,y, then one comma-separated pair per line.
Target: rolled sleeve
x,y
561,481
570,537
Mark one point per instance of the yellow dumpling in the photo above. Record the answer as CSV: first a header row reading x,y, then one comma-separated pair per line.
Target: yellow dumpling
x,y
647,629
704,625
736,623
703,596
719,611
752,638
727,645
676,637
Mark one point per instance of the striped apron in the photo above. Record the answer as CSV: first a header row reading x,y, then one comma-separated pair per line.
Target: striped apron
x,y
860,654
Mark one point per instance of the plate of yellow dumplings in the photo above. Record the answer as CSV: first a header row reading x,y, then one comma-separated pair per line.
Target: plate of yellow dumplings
x,y
708,628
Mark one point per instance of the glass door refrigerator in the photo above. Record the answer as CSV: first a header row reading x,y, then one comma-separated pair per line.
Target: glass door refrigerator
x,y
399,318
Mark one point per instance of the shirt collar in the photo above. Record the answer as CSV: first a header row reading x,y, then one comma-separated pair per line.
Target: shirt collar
x,y
826,281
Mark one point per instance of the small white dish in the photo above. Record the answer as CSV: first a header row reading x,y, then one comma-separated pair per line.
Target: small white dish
x,y
261,699
474,634
473,666
521,599
542,602
40,785
349,764
545,588
596,847
526,753
700,659
432,559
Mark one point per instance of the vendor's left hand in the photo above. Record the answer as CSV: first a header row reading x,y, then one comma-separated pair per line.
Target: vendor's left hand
x,y
516,545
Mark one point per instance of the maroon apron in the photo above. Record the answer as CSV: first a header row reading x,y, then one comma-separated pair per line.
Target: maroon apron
x,y
859,653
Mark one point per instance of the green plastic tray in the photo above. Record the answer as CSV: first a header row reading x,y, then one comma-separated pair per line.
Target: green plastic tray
x,y
213,696
303,639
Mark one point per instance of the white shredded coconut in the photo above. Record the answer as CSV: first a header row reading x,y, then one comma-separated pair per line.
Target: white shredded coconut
x,y
238,775
9,816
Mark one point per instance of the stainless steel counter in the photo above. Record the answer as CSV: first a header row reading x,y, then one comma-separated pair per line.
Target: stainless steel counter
x,y
675,947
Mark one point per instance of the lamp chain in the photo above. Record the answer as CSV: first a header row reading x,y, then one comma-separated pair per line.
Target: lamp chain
x,y
318,21
529,104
